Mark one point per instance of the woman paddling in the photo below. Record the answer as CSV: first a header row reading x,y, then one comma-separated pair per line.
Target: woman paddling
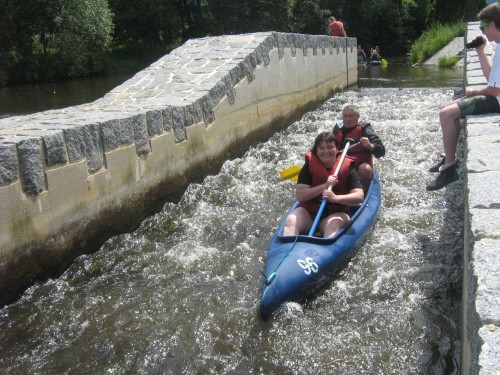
x,y
312,186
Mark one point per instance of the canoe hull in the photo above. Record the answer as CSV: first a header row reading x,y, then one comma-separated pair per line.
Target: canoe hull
x,y
299,266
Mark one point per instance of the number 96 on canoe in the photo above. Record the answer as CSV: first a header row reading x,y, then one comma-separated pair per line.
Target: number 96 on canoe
x,y
308,265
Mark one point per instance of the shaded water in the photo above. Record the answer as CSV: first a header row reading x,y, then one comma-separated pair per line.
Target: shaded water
x,y
30,98
180,294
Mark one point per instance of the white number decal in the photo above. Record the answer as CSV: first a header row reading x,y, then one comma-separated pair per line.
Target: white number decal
x,y
308,265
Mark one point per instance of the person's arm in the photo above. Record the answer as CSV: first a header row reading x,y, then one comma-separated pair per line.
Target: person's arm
x,y
491,73
374,143
355,195
484,61
303,190
307,192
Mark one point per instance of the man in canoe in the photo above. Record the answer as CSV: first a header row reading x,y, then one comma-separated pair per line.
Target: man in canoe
x,y
475,102
370,143
313,186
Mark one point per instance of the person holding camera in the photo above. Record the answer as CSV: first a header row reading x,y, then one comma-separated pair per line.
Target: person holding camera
x,y
475,102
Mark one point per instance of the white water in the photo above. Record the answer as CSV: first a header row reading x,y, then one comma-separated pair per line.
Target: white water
x,y
180,294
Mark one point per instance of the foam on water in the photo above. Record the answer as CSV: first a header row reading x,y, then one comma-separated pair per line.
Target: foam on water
x,y
180,294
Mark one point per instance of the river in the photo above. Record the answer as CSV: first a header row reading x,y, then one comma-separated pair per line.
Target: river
x,y
180,294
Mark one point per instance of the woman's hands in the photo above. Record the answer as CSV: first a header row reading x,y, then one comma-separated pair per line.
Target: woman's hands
x,y
328,193
332,180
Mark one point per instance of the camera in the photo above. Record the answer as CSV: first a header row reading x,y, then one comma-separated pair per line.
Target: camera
x,y
475,43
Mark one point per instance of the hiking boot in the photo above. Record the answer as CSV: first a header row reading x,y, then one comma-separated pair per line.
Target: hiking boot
x,y
435,168
446,176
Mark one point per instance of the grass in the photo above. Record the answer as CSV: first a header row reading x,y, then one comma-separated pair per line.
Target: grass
x,y
433,39
447,62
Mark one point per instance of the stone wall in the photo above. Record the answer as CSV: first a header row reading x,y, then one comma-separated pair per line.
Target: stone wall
x,y
72,178
481,286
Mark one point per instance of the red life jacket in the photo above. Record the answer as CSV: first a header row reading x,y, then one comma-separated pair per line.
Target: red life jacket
x,y
319,175
359,153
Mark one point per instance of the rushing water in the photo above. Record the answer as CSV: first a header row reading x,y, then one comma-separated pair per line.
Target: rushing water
x,y
180,294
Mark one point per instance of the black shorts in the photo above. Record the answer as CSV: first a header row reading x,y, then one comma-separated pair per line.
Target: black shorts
x,y
478,105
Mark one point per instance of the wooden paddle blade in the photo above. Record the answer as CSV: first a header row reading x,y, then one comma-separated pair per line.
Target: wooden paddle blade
x,y
291,173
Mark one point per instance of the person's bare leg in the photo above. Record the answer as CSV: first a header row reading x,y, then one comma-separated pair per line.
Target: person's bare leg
x,y
333,223
365,173
449,117
297,222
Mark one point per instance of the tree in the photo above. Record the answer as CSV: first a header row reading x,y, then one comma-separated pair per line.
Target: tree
x,y
86,24
46,39
309,18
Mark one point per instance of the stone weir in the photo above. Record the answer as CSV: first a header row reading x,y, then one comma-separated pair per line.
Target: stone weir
x,y
72,178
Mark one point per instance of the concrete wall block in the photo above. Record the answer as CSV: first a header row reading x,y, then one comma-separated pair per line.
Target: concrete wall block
x,y
154,120
237,73
255,58
75,143
265,48
55,149
141,136
110,135
93,148
217,92
9,170
29,153
127,131
280,44
193,113
179,120
188,116
167,119
246,65
229,87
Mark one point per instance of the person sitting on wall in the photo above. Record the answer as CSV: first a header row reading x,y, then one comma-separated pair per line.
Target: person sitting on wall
x,y
335,27
475,102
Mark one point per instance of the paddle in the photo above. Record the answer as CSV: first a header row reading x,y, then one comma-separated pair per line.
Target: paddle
x,y
323,203
291,173
385,62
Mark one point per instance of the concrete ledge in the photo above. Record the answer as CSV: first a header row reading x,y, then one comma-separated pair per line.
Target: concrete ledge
x,y
71,178
481,292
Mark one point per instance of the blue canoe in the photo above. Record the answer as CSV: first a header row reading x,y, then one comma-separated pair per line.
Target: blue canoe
x,y
297,266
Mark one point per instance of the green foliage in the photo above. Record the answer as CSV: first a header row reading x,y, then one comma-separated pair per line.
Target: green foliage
x,y
54,39
448,62
83,34
433,39
43,40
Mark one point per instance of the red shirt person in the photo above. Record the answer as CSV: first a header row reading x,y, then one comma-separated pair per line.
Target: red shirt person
x,y
336,27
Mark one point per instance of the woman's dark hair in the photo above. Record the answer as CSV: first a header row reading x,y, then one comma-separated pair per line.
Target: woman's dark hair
x,y
490,13
327,137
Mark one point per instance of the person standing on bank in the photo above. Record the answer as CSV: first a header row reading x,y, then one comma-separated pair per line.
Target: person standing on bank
x,y
312,187
370,143
335,27
475,102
